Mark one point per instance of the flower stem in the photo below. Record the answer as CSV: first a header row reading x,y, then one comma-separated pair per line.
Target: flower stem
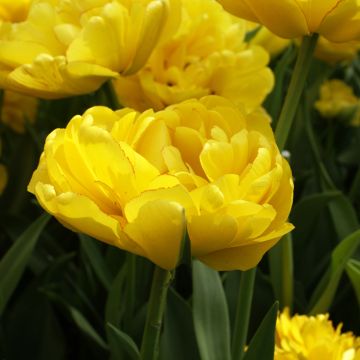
x,y
155,312
243,310
295,89
285,121
287,289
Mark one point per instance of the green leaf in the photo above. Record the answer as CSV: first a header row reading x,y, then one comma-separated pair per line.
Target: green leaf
x,y
262,345
120,344
101,270
305,214
325,291
344,216
14,262
178,340
353,271
211,318
78,318
113,307
84,325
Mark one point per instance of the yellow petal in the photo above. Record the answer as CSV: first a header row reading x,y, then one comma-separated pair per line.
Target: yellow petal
x,y
243,257
342,23
159,229
211,232
81,214
176,194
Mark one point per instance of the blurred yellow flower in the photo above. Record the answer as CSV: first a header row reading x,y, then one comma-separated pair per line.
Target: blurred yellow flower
x,y
336,52
17,109
66,47
338,99
304,337
207,55
336,20
269,41
3,173
128,178
3,178
14,10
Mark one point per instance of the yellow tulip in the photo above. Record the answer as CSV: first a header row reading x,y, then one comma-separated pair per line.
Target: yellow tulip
x,y
14,11
18,109
65,47
336,20
337,99
207,55
132,179
313,338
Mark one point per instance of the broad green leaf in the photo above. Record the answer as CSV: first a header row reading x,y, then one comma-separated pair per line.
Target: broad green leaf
x,y
84,325
101,270
282,271
78,318
211,317
325,291
31,327
353,271
262,345
178,339
14,262
121,344
113,307
344,216
305,214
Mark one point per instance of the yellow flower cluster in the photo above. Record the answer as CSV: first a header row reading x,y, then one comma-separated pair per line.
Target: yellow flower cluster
x,y
14,11
304,337
18,109
135,180
337,99
336,20
207,55
65,47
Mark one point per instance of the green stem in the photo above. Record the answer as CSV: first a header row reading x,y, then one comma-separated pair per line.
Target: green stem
x,y
287,290
295,89
283,127
155,312
243,311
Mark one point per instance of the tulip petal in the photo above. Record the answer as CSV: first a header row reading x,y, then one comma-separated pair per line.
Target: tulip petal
x,y
283,17
159,229
343,22
211,232
176,194
80,214
244,257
